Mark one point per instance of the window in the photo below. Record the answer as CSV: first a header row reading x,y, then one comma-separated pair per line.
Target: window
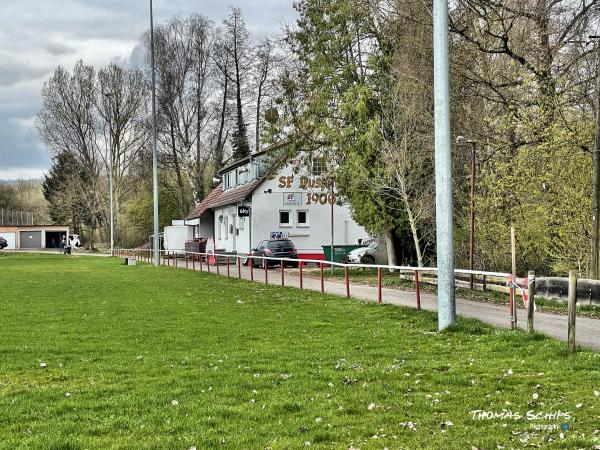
x,y
285,219
319,166
302,219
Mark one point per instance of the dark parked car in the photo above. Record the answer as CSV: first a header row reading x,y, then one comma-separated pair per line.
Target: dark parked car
x,y
276,248
3,243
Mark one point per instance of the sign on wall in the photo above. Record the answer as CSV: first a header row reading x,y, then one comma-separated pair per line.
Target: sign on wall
x,y
292,198
280,234
243,211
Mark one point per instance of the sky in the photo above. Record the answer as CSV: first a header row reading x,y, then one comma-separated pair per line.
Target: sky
x,y
36,36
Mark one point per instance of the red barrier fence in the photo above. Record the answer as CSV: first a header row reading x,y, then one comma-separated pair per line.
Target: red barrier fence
x,y
171,258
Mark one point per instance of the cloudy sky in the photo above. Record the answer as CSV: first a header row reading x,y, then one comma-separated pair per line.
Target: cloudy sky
x,y
36,36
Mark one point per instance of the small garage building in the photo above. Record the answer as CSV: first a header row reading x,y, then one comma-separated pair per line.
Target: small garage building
x,y
34,237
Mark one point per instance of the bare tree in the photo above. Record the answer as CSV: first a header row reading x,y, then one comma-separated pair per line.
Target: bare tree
x,y
123,109
236,43
67,123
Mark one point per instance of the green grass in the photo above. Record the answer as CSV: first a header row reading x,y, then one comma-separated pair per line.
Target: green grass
x,y
260,367
392,280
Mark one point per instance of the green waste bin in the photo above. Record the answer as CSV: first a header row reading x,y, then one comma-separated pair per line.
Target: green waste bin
x,y
339,252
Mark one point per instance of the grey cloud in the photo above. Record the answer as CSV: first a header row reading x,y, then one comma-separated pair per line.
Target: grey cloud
x,y
38,35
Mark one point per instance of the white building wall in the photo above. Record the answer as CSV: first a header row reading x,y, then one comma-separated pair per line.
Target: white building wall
x,y
232,233
288,188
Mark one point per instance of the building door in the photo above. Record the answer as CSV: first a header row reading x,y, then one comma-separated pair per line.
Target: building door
x,y
30,239
11,238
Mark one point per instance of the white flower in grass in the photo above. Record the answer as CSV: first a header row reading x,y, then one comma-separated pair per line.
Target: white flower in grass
x,y
578,405
536,396
174,403
285,376
67,394
43,365
330,385
508,373
596,393
371,406
307,443
319,419
256,375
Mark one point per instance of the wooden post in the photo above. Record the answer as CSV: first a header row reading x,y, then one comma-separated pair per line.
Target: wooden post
x,y
251,264
513,251
228,273
282,272
239,267
572,308
322,280
266,266
300,264
347,278
379,285
418,290
531,299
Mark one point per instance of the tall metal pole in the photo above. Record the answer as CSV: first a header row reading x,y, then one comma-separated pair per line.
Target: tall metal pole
x,y
443,170
154,153
472,234
595,263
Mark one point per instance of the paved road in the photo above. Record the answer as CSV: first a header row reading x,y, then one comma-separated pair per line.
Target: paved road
x,y
588,329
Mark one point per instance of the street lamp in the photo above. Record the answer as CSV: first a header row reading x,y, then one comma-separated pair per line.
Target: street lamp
x,y
461,140
154,153
108,95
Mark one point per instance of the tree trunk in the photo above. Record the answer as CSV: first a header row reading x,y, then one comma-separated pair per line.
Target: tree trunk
x,y
220,143
391,248
414,231
184,205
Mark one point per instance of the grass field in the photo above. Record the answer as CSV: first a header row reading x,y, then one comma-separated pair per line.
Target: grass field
x,y
139,357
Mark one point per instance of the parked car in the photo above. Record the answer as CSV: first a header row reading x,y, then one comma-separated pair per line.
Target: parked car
x,y
3,243
276,248
363,255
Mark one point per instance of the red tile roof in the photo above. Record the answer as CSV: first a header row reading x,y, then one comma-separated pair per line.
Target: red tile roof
x,y
218,197
204,205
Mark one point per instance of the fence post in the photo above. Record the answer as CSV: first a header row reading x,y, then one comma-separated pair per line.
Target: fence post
x,y
511,302
217,264
347,278
572,308
282,272
239,267
266,266
484,283
300,264
322,279
186,260
531,297
379,285
228,274
251,264
418,290
193,262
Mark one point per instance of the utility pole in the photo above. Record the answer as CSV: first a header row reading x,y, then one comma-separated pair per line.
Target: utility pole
x,y
443,168
595,269
154,153
108,95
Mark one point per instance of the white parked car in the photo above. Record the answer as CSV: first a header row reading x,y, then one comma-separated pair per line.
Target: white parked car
x,y
363,255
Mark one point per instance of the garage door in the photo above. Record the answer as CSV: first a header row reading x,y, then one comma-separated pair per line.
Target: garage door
x,y
11,238
30,239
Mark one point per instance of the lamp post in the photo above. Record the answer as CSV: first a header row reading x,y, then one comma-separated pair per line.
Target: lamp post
x,y
154,153
461,140
443,168
109,95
